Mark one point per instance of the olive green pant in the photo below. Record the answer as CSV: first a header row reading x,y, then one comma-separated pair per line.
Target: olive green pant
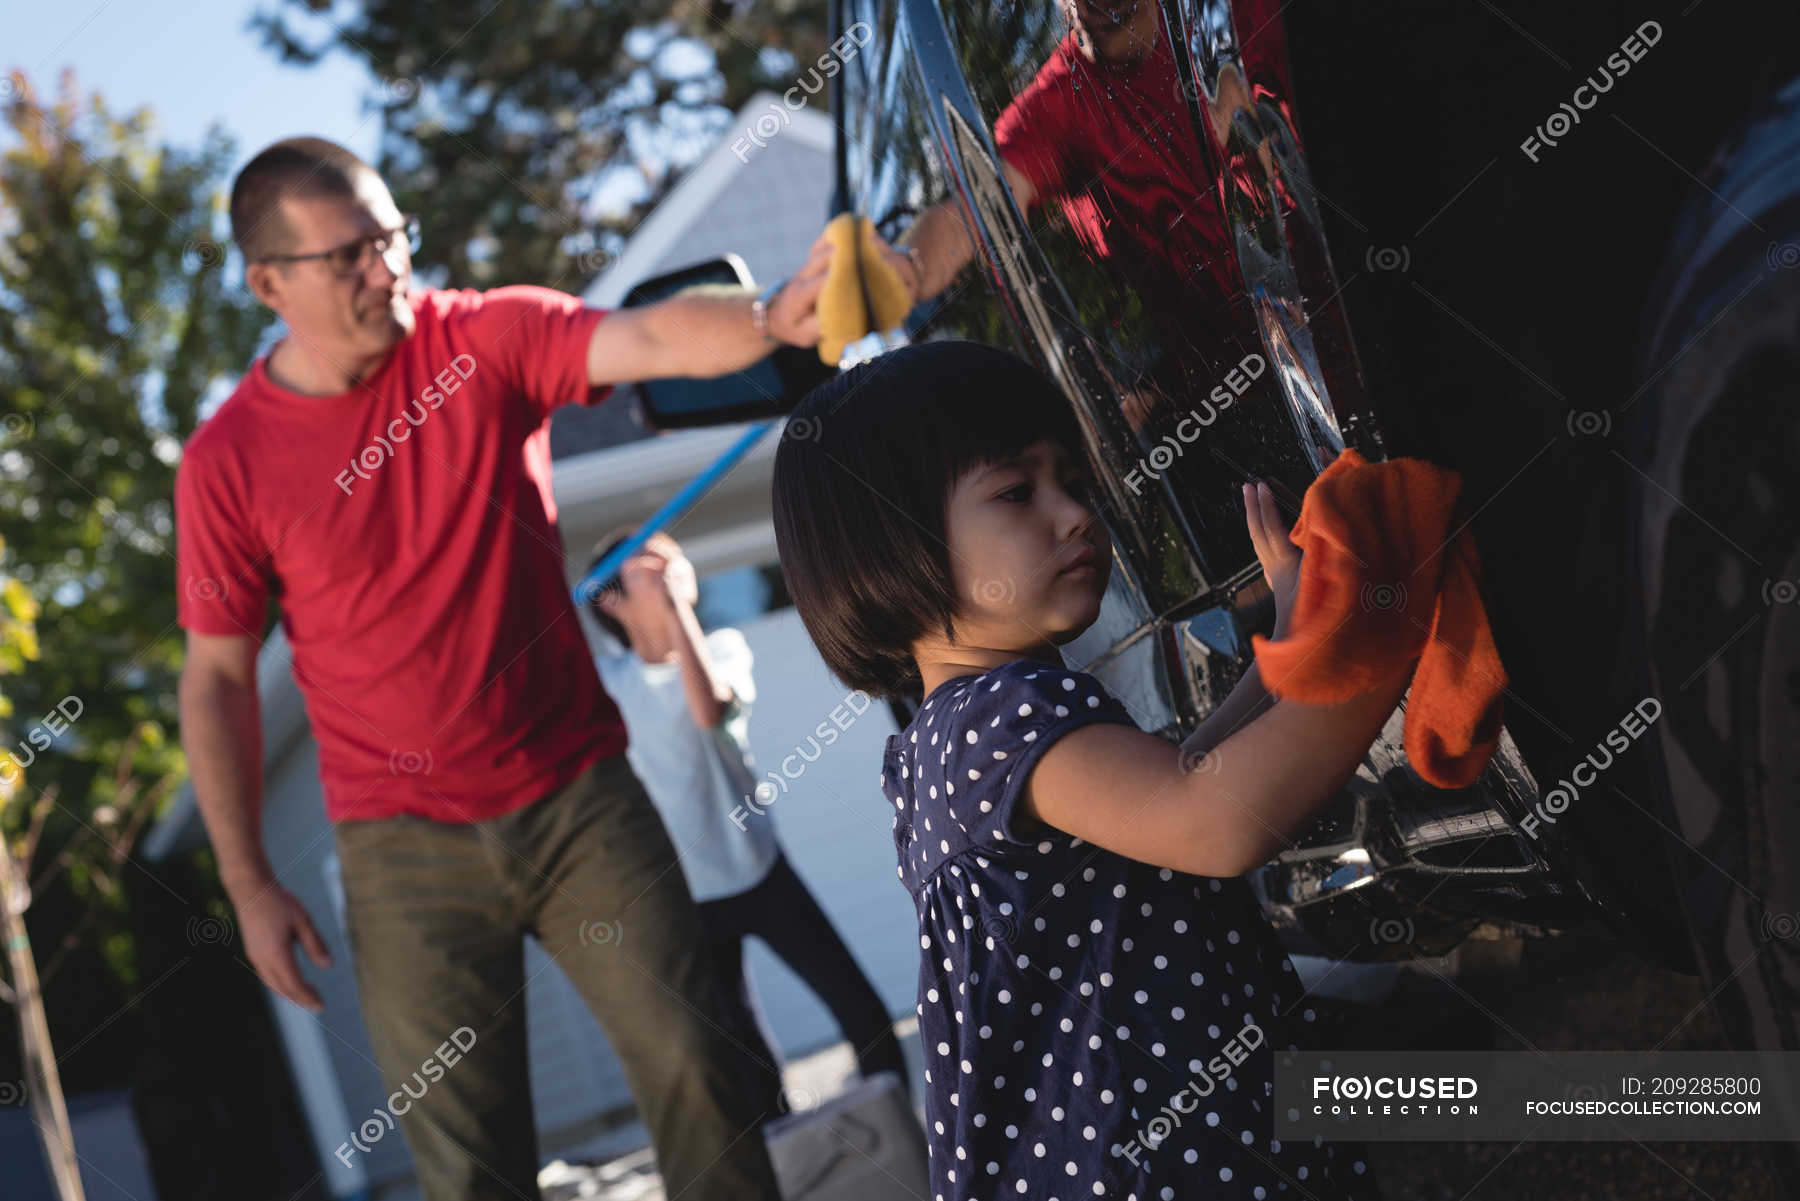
x,y
436,915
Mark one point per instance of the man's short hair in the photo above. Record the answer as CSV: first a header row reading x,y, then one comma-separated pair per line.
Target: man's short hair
x,y
309,168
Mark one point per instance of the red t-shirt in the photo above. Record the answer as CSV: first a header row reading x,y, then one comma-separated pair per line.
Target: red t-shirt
x,y
1119,152
408,529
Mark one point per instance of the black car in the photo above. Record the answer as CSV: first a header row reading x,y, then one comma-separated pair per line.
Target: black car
x,y
1556,248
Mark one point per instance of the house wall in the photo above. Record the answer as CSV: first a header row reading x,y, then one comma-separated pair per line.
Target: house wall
x,y
834,826
299,844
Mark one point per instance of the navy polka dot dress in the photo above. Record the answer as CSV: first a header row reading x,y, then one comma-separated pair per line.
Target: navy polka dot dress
x,y
1092,1026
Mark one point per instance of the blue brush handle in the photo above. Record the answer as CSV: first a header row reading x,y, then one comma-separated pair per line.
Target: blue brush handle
x,y
590,584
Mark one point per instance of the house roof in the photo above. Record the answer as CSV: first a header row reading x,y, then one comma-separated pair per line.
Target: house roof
x,y
765,204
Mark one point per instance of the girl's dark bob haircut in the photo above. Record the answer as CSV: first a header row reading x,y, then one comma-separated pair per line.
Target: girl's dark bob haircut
x,y
862,475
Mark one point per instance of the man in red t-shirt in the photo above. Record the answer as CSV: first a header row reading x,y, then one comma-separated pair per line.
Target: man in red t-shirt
x,y
1102,132
384,474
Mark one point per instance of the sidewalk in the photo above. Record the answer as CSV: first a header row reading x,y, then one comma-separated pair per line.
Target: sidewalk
x,y
620,1166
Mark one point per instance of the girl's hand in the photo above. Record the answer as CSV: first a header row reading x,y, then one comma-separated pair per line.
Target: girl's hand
x,y
642,571
678,580
1279,557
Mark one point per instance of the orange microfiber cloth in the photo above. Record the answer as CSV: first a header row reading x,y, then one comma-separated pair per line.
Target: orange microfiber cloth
x,y
1387,577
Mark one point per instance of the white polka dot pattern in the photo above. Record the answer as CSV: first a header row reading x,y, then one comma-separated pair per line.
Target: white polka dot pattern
x,y
1068,995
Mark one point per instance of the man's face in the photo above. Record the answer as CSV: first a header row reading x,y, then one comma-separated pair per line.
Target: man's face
x,y
348,318
1112,32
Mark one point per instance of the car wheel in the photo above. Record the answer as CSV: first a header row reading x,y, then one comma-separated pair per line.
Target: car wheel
x,y
1716,538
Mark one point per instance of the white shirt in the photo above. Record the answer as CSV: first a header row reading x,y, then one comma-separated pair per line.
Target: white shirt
x,y
696,778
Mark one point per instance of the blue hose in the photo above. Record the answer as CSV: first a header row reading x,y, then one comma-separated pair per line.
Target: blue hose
x,y
590,584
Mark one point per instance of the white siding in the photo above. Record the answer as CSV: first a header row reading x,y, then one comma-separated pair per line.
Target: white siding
x,y
835,828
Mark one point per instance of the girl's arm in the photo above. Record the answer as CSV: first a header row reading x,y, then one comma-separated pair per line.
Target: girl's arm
x,y
709,698
1272,766
1242,705
1280,560
1125,790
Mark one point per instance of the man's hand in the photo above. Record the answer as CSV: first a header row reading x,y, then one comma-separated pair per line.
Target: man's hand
x,y
270,922
1279,557
707,330
909,263
1138,404
794,313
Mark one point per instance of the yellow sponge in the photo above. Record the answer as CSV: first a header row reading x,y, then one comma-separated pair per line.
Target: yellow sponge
x,y
859,277
842,317
888,293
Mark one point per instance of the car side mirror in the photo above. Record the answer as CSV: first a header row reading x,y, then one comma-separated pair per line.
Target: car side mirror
x,y
766,389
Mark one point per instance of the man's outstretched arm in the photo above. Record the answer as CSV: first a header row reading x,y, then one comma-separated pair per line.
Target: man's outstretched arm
x,y
941,236
706,331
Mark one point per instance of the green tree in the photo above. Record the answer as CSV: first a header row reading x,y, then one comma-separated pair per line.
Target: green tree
x,y
502,122
122,315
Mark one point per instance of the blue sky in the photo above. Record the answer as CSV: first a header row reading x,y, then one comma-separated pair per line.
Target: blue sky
x,y
194,63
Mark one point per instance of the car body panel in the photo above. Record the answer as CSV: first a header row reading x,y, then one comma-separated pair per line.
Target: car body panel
x,y
1395,868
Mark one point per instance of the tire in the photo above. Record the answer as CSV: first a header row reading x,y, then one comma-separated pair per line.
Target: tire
x,y
1716,576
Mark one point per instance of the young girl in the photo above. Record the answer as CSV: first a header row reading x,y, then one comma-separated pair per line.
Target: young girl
x,y
1100,996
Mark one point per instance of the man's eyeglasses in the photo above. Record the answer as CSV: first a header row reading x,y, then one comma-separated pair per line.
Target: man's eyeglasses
x,y
354,257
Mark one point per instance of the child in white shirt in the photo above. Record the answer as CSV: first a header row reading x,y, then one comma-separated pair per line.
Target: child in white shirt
x,y
685,698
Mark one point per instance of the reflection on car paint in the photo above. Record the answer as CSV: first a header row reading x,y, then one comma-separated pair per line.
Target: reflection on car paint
x,y
1172,230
